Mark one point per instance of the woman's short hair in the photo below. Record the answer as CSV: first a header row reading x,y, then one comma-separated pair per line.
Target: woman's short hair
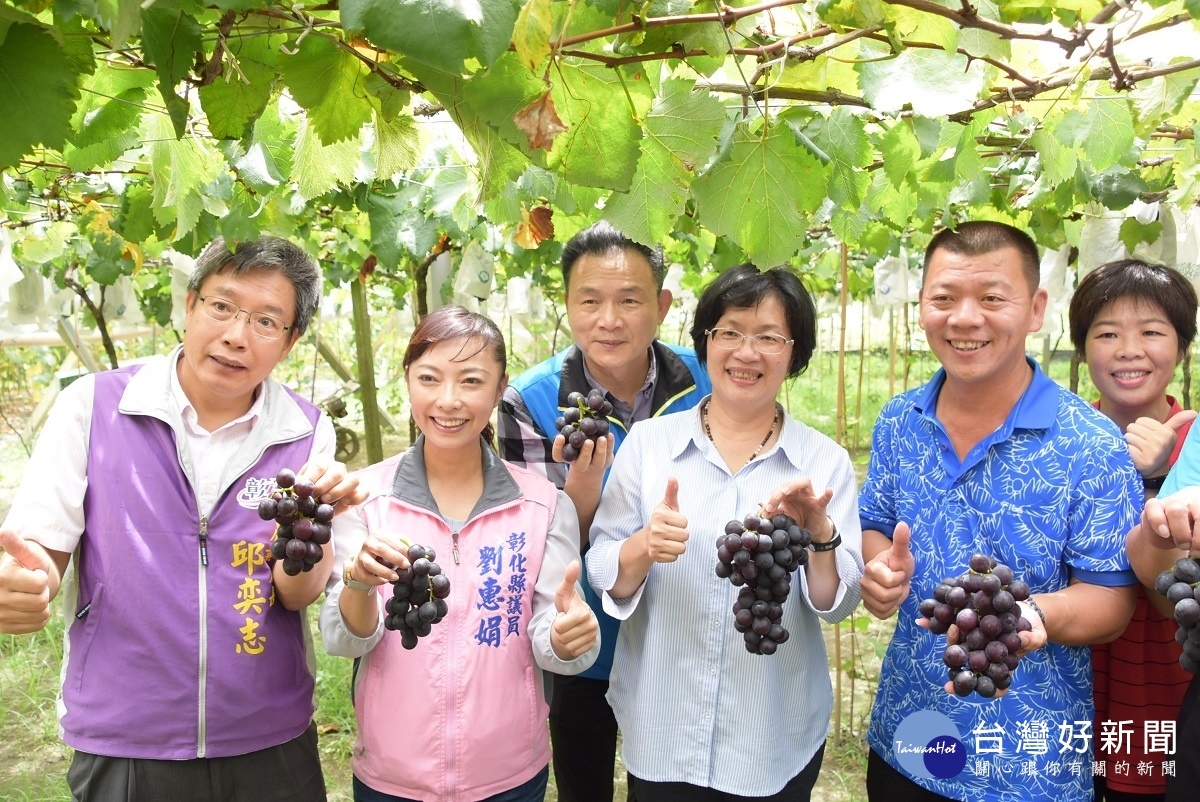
x,y
1138,281
745,286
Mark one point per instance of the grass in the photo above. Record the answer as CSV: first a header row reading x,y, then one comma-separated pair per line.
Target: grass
x,y
33,761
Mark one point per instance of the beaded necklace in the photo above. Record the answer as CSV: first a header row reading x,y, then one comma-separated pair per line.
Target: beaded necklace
x,y
761,446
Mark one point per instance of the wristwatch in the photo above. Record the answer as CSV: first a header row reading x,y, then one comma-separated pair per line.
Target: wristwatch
x,y
352,583
830,544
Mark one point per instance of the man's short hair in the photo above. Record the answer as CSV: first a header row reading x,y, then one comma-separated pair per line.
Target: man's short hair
x,y
271,254
600,239
977,237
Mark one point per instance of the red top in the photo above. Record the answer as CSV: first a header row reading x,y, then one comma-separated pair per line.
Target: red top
x,y
1138,677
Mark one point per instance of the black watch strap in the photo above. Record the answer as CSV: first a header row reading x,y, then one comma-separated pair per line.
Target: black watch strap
x,y
1153,482
830,544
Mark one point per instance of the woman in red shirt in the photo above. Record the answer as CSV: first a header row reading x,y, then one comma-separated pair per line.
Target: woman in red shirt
x,y
1133,322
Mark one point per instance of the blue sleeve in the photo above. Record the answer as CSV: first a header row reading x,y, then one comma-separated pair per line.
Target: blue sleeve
x,y
1186,471
1106,503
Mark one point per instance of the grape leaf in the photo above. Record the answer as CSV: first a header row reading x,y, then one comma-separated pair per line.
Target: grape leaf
x,y
980,42
170,41
180,170
681,135
106,119
932,82
1117,187
759,192
600,148
531,36
385,212
1058,160
1133,232
234,100
37,92
483,108
843,138
257,169
443,34
276,134
1104,131
398,145
136,220
123,18
900,150
326,81
317,167
1160,97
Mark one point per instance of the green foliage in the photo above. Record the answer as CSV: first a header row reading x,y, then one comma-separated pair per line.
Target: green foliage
x,y
380,126
443,35
38,90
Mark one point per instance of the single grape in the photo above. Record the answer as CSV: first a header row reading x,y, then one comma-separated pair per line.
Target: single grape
x,y
267,508
285,478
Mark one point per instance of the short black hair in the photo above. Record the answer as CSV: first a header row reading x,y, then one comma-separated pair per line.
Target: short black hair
x,y
1140,281
745,286
601,238
977,237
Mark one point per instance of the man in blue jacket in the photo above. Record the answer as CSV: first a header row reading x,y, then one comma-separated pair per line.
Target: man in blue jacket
x,y
615,303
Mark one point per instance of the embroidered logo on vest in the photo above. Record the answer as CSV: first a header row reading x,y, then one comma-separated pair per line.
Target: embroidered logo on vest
x,y
256,490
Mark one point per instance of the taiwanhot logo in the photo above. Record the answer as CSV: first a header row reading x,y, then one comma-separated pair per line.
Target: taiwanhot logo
x,y
928,745
256,489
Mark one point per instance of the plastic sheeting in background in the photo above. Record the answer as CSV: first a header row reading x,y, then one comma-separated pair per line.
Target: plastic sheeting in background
x,y
120,303
896,282
436,278
10,273
1099,239
181,266
476,269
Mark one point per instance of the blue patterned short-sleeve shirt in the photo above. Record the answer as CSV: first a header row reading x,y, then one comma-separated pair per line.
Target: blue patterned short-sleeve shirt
x,y
1050,493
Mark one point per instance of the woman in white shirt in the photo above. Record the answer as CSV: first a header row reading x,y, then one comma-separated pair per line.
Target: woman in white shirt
x,y
708,712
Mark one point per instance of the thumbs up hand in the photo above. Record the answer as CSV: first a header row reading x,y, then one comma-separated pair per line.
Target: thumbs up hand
x,y
667,534
1151,442
25,572
575,629
886,578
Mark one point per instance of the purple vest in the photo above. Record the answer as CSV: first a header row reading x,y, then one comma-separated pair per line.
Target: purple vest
x,y
169,658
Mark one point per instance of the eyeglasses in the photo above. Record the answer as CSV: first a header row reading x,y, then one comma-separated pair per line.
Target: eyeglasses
x,y
264,326
729,339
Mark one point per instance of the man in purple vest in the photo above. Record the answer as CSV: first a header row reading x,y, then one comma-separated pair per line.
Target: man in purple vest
x,y
188,666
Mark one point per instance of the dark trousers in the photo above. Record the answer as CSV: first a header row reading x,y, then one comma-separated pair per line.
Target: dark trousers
x,y
583,732
1106,794
1182,787
798,789
533,790
290,772
885,784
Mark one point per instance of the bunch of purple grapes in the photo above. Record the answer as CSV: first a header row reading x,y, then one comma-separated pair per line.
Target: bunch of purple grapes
x,y
758,555
418,596
584,419
303,525
1181,586
982,604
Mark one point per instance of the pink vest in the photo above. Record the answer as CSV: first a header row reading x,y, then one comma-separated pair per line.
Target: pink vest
x,y
462,716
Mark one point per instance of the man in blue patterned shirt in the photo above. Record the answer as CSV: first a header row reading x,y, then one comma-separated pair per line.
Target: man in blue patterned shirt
x,y
992,456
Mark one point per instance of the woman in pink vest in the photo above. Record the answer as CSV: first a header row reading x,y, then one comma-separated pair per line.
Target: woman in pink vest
x,y
454,708
1133,322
